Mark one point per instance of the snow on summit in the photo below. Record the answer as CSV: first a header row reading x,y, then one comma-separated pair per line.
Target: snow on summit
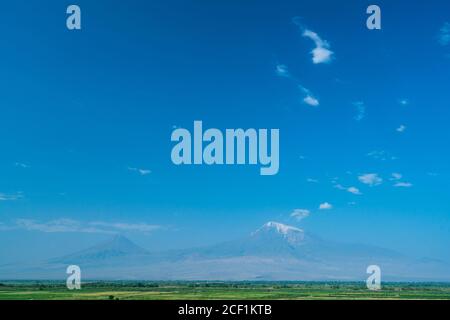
x,y
292,235
281,228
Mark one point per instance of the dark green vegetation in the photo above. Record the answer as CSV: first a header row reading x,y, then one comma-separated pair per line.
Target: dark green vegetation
x,y
220,290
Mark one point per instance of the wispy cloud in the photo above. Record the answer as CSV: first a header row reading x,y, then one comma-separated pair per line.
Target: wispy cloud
x,y
360,110
396,176
352,190
444,34
325,206
371,179
60,225
142,172
322,52
403,185
21,165
282,71
401,129
311,180
381,155
139,227
300,214
339,186
309,98
11,197
74,226
403,102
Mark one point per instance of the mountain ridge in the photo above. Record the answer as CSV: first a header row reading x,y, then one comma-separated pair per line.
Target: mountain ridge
x,y
274,251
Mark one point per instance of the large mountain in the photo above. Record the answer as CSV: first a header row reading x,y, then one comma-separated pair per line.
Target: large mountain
x,y
273,252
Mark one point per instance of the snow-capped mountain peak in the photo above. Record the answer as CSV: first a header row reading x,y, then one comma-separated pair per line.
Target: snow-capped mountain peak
x,y
291,234
281,228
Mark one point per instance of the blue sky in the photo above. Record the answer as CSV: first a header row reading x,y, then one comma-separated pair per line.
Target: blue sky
x,y
86,119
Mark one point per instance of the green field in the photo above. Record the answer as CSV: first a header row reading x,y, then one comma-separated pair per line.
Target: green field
x,y
26,290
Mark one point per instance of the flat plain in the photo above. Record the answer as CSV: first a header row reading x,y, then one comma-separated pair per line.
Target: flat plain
x,y
52,290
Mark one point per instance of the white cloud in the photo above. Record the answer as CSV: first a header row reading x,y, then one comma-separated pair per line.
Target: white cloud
x,y
300,214
142,172
309,98
11,197
360,110
59,225
381,155
311,180
396,176
282,70
338,186
21,165
444,34
401,129
403,185
325,206
371,179
140,227
321,53
403,102
70,225
354,190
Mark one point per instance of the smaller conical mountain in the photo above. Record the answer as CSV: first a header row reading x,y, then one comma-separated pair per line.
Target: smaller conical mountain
x,y
117,247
